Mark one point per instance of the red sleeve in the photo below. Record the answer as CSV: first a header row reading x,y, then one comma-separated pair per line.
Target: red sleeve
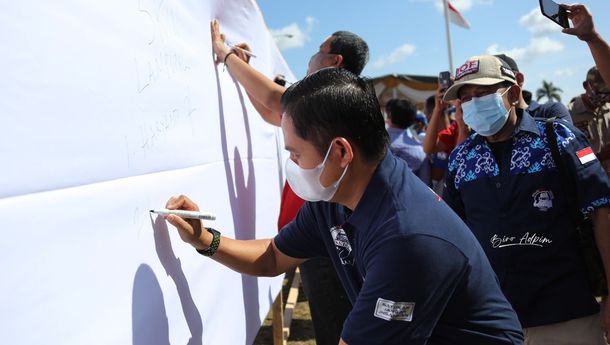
x,y
289,207
448,136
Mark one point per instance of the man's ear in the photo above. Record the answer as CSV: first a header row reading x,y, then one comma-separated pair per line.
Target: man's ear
x,y
338,60
345,150
514,95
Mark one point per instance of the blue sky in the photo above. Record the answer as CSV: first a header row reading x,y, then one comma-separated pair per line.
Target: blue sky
x,y
408,36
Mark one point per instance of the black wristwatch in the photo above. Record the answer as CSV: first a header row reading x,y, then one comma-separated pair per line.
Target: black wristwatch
x,y
213,246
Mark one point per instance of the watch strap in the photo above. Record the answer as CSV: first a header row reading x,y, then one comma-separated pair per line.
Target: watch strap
x,y
213,246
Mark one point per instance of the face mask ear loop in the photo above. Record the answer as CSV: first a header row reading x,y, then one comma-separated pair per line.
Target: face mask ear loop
x,y
504,93
514,103
323,164
327,153
341,177
344,170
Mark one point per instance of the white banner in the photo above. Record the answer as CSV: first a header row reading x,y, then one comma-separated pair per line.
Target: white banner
x,y
109,108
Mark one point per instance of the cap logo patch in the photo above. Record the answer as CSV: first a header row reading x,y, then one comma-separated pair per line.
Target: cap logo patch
x,y
508,72
469,67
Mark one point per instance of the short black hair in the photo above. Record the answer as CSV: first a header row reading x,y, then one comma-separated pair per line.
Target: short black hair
x,y
334,102
353,48
401,112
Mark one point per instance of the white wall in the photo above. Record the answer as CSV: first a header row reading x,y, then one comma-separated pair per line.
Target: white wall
x,y
107,109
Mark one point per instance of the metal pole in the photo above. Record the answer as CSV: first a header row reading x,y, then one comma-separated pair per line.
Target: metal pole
x,y
446,11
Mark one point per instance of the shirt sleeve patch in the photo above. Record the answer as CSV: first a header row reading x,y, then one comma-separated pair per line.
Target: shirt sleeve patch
x,y
585,155
601,202
390,310
564,135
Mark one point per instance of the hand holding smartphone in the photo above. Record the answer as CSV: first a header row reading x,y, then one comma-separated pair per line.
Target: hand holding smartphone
x,y
444,80
551,10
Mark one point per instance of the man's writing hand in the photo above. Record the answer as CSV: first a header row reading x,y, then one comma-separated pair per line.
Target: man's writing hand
x,y
190,230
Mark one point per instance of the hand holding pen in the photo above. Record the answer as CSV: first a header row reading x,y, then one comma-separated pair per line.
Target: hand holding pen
x,y
184,214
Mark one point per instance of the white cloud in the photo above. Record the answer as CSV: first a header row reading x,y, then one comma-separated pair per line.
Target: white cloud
x,y
566,72
292,36
538,46
399,54
462,5
310,22
515,53
538,24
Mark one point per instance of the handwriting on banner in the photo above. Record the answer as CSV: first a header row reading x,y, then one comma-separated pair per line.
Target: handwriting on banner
x,y
163,61
160,76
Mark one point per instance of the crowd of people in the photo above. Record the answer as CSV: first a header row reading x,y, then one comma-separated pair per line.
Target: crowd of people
x,y
385,259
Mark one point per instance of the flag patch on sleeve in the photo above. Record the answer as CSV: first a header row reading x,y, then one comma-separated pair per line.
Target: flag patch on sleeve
x,y
586,155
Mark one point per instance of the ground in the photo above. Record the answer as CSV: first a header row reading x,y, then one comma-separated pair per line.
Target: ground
x,y
301,328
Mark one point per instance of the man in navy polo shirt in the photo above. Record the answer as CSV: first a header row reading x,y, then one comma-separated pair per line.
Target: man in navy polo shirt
x,y
412,269
504,182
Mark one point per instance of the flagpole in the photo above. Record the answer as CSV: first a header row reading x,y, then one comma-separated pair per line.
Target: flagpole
x,y
446,11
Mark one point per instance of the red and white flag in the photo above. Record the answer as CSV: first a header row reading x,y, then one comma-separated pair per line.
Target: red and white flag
x,y
456,18
586,155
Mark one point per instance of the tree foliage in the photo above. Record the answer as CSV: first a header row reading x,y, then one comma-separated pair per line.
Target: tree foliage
x,y
548,90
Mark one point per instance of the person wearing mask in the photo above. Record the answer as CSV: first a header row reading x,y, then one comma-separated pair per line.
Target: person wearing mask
x,y
511,182
327,300
412,269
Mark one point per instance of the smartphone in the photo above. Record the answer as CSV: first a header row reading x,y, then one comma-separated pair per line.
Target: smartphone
x,y
444,80
551,10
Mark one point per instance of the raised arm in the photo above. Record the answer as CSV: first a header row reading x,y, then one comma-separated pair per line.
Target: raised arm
x,y
438,122
257,85
584,29
264,112
462,128
253,257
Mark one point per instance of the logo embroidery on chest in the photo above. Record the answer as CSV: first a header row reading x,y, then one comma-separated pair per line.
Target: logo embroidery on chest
x,y
342,245
543,200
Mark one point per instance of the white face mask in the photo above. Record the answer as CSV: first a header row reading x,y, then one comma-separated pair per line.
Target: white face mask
x,y
306,182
